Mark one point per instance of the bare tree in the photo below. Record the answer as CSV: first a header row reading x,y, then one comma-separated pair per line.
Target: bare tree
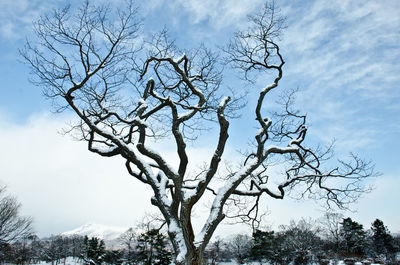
x,y
331,223
301,240
128,94
214,252
240,246
128,239
12,225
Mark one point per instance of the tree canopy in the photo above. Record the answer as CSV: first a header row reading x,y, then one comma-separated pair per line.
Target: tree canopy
x,y
131,91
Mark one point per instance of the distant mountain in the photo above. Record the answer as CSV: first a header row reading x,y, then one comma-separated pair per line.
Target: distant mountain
x,y
110,234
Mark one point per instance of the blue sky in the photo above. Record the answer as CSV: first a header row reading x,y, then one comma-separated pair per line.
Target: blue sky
x,y
344,56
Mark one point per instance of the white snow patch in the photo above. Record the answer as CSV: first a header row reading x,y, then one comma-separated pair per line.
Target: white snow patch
x,y
224,101
97,230
174,229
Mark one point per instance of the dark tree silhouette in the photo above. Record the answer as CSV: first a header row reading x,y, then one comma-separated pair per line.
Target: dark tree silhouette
x,y
263,246
382,241
152,248
353,237
12,225
94,250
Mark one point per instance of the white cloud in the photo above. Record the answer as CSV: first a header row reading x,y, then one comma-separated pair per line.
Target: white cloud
x,y
344,56
60,183
16,16
221,13
344,42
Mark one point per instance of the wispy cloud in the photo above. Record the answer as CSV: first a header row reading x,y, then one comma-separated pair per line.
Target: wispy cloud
x,y
345,57
344,42
16,17
220,13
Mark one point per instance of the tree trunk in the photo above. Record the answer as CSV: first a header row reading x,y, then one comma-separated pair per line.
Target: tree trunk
x,y
197,259
193,258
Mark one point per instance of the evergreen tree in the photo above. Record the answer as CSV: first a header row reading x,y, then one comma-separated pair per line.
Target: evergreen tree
x,y
94,250
382,240
353,237
6,253
113,257
282,252
152,248
272,247
263,245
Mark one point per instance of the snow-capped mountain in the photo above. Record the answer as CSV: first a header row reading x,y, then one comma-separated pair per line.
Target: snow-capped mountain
x,y
110,234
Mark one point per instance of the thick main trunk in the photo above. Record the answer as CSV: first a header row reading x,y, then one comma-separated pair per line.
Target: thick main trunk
x,y
197,259
193,258
194,254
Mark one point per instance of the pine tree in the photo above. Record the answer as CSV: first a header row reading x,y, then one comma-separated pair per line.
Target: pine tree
x,y
283,253
382,240
272,247
263,245
113,257
152,248
353,237
94,250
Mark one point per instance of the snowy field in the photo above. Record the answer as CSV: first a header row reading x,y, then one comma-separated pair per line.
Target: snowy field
x,y
71,261
332,262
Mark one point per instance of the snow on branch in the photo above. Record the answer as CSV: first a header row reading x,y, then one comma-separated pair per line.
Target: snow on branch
x,y
130,95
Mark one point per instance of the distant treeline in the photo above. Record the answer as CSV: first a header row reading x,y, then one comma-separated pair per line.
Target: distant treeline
x,y
304,242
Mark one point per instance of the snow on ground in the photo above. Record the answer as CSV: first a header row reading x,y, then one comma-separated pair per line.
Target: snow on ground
x,y
71,261
258,263
68,261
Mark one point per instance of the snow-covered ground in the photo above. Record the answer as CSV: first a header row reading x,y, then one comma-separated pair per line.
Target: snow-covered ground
x,y
71,261
341,262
